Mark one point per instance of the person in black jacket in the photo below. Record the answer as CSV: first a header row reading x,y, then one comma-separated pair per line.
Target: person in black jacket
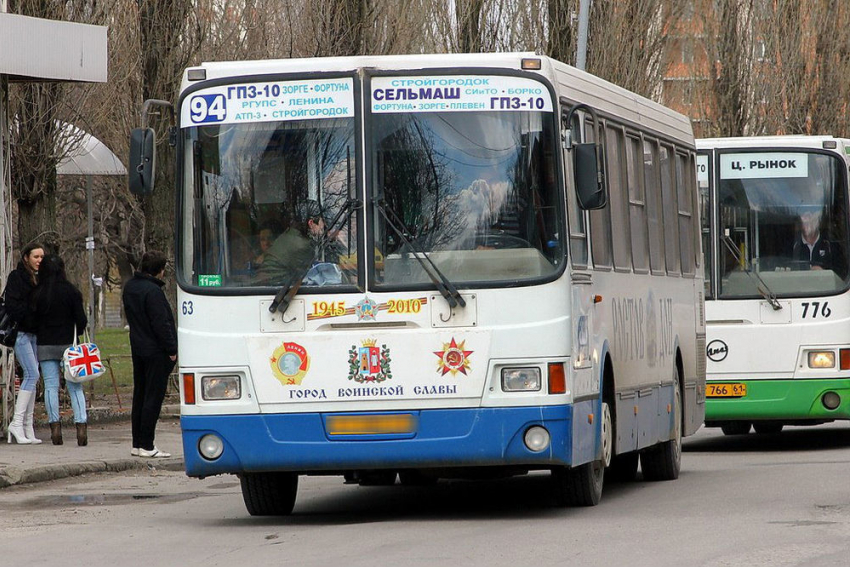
x,y
153,344
61,316
19,287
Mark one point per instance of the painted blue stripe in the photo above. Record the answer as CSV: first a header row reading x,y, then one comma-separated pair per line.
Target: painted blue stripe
x,y
444,438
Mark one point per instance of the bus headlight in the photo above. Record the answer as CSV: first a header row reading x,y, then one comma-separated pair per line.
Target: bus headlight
x,y
537,439
821,359
211,446
221,387
521,380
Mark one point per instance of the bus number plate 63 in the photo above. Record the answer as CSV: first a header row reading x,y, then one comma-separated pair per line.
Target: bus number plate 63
x,y
725,390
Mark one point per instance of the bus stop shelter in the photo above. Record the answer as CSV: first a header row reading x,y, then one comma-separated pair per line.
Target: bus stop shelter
x,y
36,50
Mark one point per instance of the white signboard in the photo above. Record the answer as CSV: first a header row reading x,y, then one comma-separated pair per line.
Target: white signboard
x,y
271,101
763,165
702,170
458,93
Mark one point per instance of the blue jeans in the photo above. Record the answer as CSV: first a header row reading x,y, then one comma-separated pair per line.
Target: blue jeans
x,y
50,369
25,353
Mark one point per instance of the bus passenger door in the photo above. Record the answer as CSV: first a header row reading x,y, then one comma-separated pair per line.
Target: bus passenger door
x,y
585,379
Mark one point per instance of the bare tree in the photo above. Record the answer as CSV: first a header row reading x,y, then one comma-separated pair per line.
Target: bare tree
x,y
804,54
627,40
38,139
561,43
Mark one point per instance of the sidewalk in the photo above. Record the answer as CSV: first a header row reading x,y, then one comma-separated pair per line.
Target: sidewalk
x,y
108,450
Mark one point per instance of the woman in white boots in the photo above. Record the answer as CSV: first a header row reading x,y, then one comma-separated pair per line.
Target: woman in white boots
x,y
19,287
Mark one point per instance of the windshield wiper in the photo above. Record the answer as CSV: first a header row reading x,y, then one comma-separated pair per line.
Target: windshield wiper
x,y
284,296
763,289
446,288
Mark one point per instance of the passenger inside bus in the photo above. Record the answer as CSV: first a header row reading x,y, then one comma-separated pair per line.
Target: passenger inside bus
x,y
811,251
269,231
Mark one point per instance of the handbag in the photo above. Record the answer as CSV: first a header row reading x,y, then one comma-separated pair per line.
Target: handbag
x,y
8,327
81,362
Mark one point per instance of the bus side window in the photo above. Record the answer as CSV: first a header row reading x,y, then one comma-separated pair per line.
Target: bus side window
x,y
685,188
575,215
637,206
670,209
652,186
618,198
600,222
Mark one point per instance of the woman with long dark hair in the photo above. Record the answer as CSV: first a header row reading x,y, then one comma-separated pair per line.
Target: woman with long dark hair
x,y
59,310
19,288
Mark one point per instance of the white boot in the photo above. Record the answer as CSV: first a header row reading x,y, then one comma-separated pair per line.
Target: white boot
x,y
16,427
28,421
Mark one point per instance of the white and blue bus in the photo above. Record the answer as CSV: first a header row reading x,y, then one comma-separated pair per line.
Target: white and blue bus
x,y
775,230
502,274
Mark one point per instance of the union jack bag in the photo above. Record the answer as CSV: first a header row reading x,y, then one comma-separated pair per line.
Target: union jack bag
x,y
81,362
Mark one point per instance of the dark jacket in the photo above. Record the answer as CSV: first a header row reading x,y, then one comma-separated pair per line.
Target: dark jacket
x,y
58,309
289,256
152,330
820,255
19,289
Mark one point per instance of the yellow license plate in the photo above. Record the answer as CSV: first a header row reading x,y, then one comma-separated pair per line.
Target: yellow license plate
x,y
371,424
725,390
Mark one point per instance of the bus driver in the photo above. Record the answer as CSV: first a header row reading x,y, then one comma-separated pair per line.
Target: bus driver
x,y
811,249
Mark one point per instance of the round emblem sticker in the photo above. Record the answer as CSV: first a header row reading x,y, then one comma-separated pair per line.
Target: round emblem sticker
x,y
290,363
717,350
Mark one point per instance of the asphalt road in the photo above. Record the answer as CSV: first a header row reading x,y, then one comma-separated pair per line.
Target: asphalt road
x,y
781,500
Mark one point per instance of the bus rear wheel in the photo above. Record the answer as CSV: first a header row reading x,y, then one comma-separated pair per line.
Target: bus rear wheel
x,y
735,427
269,494
664,461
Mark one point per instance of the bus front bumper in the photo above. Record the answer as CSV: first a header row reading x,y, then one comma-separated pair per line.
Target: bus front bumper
x,y
792,400
442,438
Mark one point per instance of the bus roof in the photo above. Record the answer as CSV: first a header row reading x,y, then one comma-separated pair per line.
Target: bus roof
x,y
794,141
579,86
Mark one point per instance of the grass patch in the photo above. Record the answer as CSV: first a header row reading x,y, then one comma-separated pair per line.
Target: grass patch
x,y
114,347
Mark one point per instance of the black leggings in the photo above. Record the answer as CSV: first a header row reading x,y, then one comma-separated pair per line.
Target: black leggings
x,y
150,381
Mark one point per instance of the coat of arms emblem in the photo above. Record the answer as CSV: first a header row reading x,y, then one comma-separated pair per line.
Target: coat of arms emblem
x,y
369,363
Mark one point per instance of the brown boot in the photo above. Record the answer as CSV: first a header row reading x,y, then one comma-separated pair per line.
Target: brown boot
x,y
56,432
82,434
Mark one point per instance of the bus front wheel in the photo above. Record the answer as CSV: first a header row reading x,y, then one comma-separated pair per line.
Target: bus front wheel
x,y
269,494
582,485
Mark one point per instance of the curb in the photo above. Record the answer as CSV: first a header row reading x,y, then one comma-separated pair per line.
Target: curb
x,y
12,476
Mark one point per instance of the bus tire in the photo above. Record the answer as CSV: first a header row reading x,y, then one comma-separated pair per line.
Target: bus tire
x,y
582,485
623,467
269,494
767,427
735,427
664,461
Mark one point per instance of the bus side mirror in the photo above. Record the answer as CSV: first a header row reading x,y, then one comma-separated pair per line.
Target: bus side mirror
x,y
591,184
142,164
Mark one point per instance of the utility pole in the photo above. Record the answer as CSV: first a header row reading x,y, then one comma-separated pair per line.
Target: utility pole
x,y
583,19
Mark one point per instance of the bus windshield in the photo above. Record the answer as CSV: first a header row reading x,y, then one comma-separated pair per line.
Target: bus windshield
x,y
783,218
474,191
261,195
